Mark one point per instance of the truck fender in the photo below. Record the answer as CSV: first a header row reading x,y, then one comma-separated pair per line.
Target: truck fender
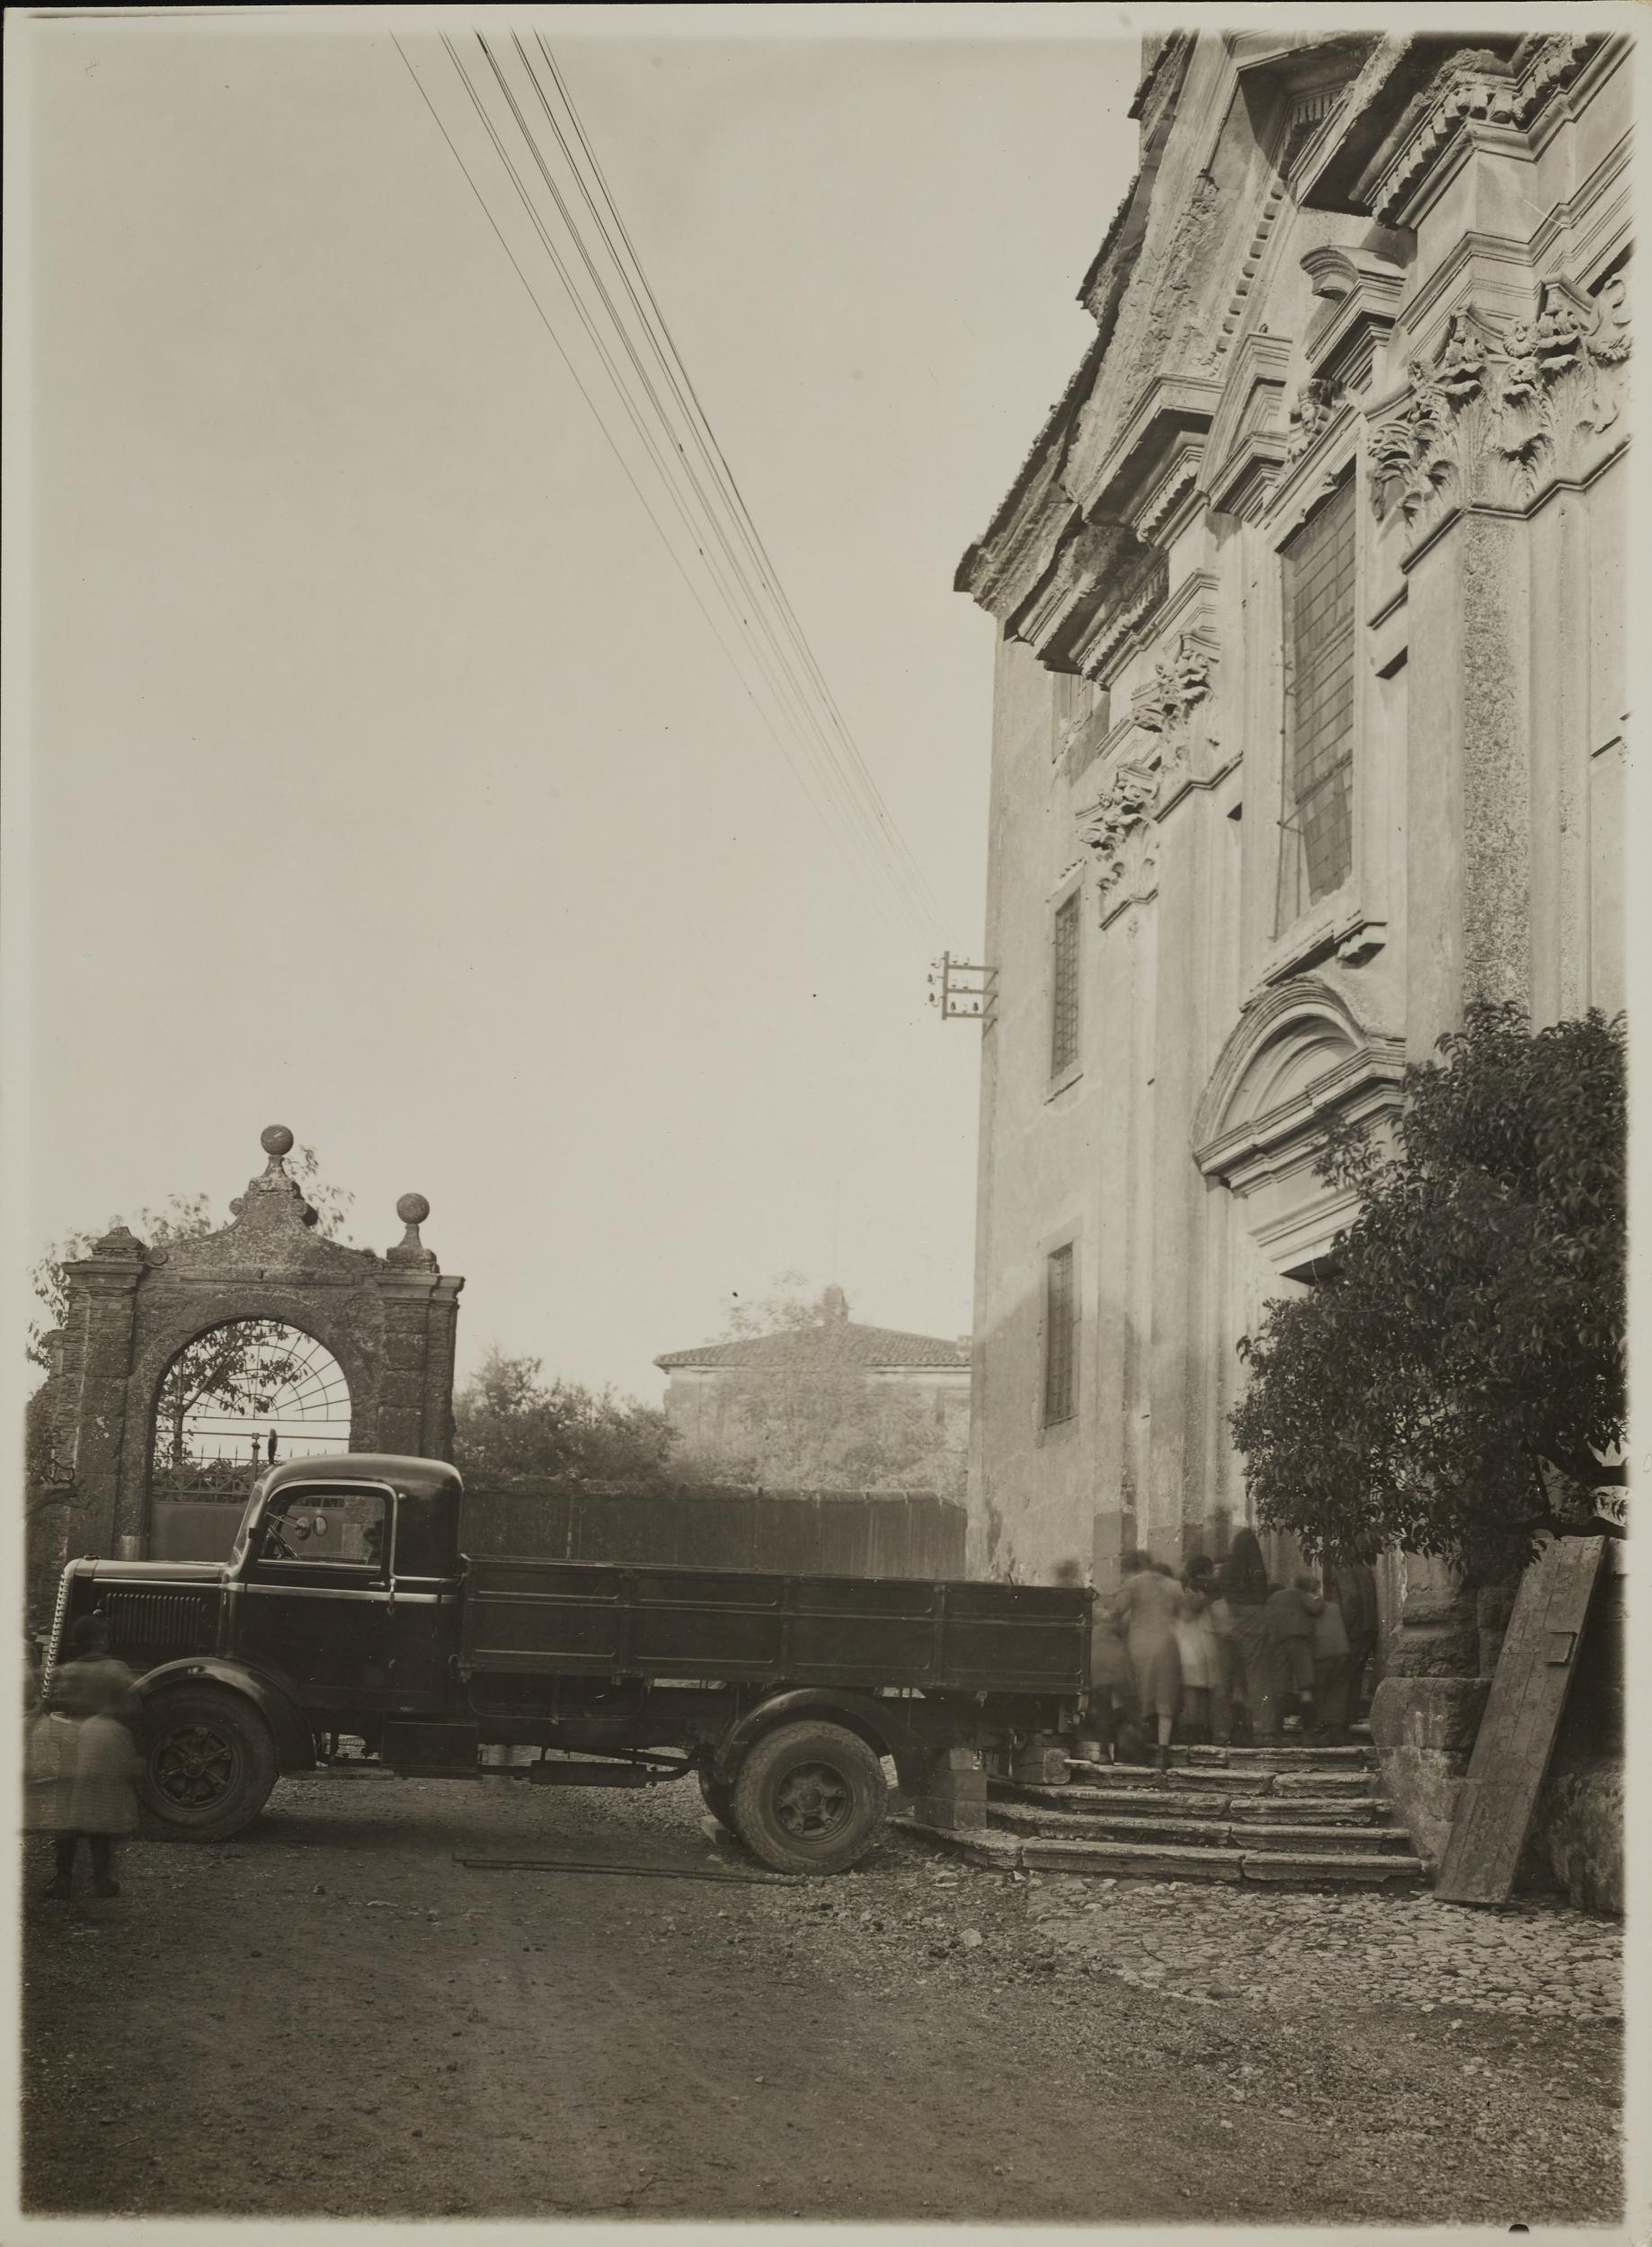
x,y
295,1742
877,1722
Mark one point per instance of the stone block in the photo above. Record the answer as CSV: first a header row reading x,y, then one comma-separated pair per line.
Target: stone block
x,y
1040,1762
952,1791
1439,1713
1575,1844
1422,1784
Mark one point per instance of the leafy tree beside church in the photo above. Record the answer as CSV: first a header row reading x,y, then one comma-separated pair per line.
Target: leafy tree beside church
x,y
1457,1386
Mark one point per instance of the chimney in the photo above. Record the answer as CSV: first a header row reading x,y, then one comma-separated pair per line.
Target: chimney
x,y
834,1307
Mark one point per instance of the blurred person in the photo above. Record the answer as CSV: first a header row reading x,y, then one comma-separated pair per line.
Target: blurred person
x,y
97,1796
1288,1626
1207,1711
1353,1586
1330,1672
1243,1588
1146,1608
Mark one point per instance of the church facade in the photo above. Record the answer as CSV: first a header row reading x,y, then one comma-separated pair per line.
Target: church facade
x,y
1308,717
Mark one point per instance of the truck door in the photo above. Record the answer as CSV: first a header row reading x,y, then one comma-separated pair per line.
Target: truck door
x,y
422,1624
316,1593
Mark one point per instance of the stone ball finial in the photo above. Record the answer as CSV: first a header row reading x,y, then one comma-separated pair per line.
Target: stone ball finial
x,y
276,1140
412,1209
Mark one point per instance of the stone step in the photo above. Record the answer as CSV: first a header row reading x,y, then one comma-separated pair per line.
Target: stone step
x,y
1282,1755
1171,1801
1163,1861
1049,1824
1255,1778
1009,1852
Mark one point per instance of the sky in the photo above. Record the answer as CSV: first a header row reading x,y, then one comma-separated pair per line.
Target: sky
x,y
381,777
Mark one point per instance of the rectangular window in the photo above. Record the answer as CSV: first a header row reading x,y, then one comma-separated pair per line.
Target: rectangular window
x,y
1060,1337
1318,816
1064,982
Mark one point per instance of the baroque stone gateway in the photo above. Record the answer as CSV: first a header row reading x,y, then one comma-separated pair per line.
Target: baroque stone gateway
x,y
1310,706
388,1321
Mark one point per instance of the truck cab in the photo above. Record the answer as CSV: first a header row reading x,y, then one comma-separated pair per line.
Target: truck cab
x,y
347,1583
338,1609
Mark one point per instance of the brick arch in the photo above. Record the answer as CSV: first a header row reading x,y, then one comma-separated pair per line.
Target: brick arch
x,y
389,1321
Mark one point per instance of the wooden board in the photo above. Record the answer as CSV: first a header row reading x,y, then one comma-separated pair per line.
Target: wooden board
x,y
1523,1716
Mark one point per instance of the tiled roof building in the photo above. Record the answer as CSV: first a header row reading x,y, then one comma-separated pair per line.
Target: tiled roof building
x,y
708,1384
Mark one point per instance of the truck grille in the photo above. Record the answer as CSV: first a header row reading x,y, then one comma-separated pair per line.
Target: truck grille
x,y
146,1628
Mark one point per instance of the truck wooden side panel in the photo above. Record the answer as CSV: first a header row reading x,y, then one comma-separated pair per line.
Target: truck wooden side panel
x,y
537,1617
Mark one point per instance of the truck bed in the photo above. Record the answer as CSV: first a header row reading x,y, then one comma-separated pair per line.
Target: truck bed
x,y
543,1617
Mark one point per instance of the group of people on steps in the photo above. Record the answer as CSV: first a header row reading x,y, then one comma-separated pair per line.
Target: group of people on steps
x,y
1224,1654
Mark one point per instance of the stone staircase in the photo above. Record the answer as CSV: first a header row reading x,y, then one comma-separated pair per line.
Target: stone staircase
x,y
1308,1816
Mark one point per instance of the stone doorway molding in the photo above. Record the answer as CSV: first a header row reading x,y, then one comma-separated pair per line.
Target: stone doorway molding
x,y
1299,1055
1302,1053
390,1322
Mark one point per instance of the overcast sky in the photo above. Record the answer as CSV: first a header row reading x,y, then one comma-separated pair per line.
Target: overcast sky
x,y
385,780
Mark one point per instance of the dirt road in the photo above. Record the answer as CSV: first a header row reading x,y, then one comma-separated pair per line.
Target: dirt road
x,y
334,2017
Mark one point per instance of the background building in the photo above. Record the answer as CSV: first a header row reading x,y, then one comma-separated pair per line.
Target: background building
x,y
825,1402
1308,717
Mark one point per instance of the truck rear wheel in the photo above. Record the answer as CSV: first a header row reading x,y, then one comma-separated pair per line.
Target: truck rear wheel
x,y
810,1798
208,1765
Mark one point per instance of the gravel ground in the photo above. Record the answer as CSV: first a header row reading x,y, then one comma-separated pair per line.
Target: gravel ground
x,y
332,2016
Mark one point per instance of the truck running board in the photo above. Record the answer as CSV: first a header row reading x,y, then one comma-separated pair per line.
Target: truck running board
x,y
568,1773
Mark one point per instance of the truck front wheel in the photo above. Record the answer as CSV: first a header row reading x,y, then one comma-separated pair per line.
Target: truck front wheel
x,y
208,1765
810,1798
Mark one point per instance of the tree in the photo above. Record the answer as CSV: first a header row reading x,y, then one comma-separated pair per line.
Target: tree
x,y
810,1421
236,1368
511,1423
1457,1386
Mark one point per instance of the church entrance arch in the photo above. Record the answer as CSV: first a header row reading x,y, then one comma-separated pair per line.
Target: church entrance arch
x,y
1302,1054
339,1348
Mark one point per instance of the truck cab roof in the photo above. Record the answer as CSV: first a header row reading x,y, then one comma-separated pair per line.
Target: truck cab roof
x,y
416,1477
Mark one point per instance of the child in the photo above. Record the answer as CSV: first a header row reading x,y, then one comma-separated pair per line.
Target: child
x,y
100,1800
1288,1621
1113,1697
1195,1644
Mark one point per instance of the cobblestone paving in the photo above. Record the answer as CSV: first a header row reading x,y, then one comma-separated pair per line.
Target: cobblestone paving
x,y
1209,1942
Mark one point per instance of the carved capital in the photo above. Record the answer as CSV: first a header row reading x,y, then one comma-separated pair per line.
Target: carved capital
x,y
1314,409
1119,833
1497,407
1179,685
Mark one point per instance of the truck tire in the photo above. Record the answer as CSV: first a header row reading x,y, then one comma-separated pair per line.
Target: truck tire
x,y
208,1765
810,1798
719,1798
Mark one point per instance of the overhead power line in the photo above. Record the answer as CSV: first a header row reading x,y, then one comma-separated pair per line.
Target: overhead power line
x,y
810,791
626,328
657,330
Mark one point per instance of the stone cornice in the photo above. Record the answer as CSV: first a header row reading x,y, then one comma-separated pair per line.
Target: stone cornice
x,y
1122,620
1247,441
1394,79
1362,292
1170,406
1161,82
1479,96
